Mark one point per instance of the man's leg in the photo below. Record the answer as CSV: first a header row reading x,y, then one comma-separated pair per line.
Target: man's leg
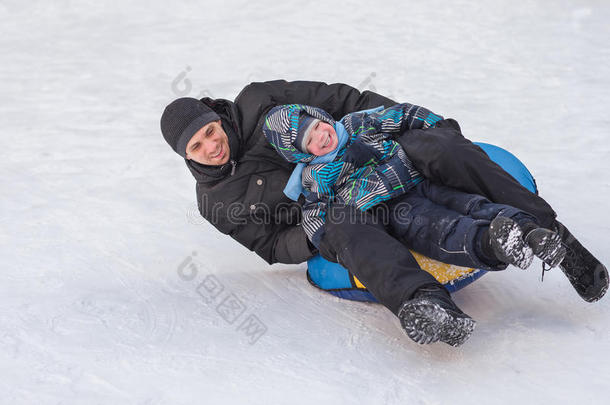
x,y
360,243
424,307
443,155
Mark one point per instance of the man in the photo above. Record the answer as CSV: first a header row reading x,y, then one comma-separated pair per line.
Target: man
x,y
240,180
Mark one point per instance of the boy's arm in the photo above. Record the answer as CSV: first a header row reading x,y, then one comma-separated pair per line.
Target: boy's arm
x,y
398,118
319,180
314,217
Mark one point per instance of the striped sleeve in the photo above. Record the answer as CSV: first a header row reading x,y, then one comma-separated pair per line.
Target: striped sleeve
x,y
400,118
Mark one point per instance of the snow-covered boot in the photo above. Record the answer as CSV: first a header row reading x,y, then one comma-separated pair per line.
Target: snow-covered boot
x,y
586,274
431,316
547,245
506,238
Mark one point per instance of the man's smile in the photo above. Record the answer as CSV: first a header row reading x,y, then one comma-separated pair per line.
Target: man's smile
x,y
220,153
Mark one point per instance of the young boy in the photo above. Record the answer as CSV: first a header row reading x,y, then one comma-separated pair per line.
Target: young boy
x,y
355,162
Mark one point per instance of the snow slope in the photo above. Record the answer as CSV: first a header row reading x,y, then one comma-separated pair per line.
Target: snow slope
x,y
101,298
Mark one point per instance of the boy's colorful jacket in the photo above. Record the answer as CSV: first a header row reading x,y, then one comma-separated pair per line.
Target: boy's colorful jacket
x,y
367,168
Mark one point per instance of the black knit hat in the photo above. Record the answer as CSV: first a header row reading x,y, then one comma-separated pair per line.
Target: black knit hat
x,y
181,119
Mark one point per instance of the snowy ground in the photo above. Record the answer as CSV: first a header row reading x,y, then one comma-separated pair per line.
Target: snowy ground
x,y
100,294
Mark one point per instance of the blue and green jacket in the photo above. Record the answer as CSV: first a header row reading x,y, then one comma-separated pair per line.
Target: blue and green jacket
x,y
366,168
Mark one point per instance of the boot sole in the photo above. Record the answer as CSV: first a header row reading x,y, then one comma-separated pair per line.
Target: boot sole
x,y
550,250
507,241
598,273
427,322
595,291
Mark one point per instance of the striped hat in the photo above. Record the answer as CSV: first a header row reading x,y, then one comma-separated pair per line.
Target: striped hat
x,y
306,125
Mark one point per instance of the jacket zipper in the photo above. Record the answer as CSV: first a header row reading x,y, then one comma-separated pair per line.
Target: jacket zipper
x,y
233,165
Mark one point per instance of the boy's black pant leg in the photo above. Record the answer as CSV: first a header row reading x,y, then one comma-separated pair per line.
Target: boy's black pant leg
x,y
443,155
359,242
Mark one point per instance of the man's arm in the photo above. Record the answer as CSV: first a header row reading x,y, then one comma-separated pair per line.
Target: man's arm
x,y
273,242
337,99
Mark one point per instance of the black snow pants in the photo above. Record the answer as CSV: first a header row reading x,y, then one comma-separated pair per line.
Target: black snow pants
x,y
359,241
444,156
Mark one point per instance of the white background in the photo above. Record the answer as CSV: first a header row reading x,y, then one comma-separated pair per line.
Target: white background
x,y
97,213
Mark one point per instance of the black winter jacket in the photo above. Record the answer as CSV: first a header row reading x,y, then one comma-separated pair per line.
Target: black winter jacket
x,y
244,198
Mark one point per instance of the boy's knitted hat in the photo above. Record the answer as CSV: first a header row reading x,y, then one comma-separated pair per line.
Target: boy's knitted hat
x,y
306,125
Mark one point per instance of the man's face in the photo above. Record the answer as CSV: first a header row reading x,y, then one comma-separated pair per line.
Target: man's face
x,y
322,140
209,145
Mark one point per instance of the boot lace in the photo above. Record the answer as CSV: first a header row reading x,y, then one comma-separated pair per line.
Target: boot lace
x,y
544,270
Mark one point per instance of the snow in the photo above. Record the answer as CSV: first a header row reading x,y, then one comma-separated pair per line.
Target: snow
x,y
98,215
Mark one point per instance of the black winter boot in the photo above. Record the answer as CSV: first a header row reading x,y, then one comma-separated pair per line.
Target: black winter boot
x,y
547,245
431,316
588,276
506,238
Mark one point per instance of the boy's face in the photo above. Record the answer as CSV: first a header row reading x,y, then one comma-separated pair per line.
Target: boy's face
x,y
322,139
